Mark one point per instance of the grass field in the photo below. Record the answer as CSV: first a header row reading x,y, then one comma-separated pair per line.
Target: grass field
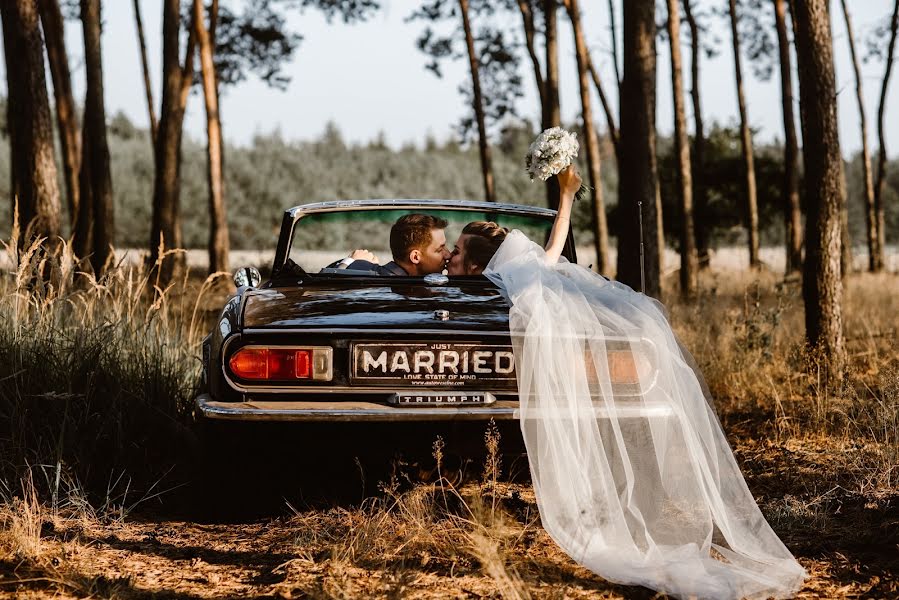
x,y
721,259
96,380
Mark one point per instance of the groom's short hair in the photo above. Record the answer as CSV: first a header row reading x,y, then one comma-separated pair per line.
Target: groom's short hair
x,y
412,231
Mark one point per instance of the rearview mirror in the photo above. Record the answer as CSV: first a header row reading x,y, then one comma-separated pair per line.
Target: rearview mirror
x,y
247,276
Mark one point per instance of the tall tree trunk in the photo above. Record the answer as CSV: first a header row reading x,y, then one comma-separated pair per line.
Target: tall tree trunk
x,y
881,137
638,174
845,237
688,259
13,101
600,227
552,116
66,118
792,211
700,193
187,70
478,101
821,286
31,131
145,64
613,30
213,24
527,17
83,235
166,225
660,224
606,108
95,118
218,222
751,203
870,213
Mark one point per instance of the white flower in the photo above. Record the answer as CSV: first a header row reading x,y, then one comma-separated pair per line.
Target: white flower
x,y
550,153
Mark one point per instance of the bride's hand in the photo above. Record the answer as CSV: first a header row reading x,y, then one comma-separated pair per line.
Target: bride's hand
x,y
569,181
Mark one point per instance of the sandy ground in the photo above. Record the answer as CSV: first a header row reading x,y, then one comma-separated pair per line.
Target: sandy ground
x,y
845,538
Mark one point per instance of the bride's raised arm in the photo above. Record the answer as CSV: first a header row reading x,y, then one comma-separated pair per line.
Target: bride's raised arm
x,y
569,183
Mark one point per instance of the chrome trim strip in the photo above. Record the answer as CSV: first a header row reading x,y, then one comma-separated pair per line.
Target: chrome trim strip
x,y
374,412
430,203
330,330
369,411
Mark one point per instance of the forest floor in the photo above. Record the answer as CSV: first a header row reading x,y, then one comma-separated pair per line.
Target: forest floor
x,y
823,467
845,537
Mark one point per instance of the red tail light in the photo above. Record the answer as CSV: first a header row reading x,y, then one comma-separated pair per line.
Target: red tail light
x,y
250,363
261,363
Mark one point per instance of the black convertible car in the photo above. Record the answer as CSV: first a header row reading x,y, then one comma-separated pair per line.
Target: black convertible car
x,y
317,343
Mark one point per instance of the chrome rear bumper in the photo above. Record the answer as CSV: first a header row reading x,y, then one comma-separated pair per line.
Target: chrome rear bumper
x,y
360,411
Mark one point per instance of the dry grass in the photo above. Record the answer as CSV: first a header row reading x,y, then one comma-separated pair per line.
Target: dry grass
x,y
96,381
22,522
746,332
96,374
438,527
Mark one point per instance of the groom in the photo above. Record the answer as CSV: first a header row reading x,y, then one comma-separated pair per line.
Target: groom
x,y
418,245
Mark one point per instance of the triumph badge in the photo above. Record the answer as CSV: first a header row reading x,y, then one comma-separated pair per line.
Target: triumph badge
x,y
441,315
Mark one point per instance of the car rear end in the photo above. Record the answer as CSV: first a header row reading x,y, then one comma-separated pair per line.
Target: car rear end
x,y
387,351
366,351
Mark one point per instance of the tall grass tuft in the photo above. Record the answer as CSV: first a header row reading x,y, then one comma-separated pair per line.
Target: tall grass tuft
x,y
23,518
432,527
746,331
96,373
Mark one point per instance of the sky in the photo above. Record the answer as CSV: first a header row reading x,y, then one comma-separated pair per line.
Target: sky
x,y
370,78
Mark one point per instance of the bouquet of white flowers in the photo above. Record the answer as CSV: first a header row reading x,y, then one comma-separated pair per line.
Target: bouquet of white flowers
x,y
551,153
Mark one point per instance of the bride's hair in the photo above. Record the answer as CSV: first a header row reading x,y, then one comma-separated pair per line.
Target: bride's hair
x,y
485,240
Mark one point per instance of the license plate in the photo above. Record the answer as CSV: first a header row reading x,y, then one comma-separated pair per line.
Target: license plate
x,y
433,364
443,399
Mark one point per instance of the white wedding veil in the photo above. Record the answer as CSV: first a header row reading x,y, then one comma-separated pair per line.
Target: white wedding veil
x,y
633,475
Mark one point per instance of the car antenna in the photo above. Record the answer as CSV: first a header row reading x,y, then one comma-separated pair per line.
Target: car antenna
x,y
642,270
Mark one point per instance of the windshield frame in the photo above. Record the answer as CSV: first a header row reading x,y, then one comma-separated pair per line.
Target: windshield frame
x,y
293,215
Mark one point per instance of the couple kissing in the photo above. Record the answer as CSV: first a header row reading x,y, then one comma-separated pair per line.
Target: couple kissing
x,y
418,241
418,246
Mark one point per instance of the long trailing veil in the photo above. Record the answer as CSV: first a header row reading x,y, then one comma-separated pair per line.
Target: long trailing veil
x,y
633,475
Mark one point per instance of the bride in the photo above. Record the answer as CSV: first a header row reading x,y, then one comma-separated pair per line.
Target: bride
x,y
639,496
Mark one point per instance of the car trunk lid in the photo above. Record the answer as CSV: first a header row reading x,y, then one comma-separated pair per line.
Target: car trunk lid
x,y
398,304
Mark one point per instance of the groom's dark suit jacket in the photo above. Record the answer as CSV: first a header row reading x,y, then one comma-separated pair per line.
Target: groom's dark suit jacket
x,y
390,269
